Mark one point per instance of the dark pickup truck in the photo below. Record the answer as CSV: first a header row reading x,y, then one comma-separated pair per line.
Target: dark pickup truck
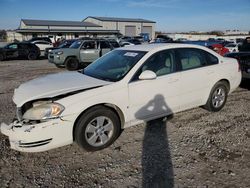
x,y
243,56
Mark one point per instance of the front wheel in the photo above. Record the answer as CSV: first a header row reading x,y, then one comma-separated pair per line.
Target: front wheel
x,y
72,64
217,98
96,129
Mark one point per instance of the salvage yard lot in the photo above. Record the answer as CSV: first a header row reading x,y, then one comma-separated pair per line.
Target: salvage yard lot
x,y
192,148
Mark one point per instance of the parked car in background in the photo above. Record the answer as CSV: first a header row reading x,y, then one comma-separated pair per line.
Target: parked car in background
x,y
65,44
165,37
243,57
244,61
114,43
19,50
80,53
42,45
245,47
232,47
126,87
125,43
219,49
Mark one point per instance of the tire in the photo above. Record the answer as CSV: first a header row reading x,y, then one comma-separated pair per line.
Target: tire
x,y
94,136
32,56
72,64
218,97
1,57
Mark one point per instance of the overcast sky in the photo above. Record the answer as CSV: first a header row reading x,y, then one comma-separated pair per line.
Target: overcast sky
x,y
170,15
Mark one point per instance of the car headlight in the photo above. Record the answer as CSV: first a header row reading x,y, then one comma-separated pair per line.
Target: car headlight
x,y
59,53
44,111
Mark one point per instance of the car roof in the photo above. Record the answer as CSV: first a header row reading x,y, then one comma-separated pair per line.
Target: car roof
x,y
157,46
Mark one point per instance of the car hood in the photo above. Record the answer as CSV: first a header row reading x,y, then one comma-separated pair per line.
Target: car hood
x,y
66,50
54,85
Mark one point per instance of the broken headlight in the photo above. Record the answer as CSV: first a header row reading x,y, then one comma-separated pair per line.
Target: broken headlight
x,y
43,111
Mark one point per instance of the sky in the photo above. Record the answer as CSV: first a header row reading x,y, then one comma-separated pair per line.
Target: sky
x,y
170,15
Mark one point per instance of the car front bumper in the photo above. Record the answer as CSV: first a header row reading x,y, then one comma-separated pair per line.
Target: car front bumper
x,y
56,59
38,137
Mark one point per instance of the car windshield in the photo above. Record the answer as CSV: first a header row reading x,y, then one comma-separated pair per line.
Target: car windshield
x,y
76,44
64,45
114,65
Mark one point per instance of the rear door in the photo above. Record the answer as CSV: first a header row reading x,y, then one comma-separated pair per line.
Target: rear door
x,y
105,47
197,76
89,51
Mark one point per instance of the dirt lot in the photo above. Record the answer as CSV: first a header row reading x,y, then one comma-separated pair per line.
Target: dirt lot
x,y
195,148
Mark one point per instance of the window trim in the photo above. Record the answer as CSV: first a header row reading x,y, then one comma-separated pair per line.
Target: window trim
x,y
132,80
204,53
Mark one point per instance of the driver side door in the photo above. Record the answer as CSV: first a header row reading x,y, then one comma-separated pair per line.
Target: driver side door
x,y
158,97
89,51
12,51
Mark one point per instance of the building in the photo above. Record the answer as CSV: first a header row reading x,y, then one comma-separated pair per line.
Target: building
x,y
126,26
90,26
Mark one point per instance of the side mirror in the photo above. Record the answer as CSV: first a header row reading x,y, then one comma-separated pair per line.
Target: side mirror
x,y
147,75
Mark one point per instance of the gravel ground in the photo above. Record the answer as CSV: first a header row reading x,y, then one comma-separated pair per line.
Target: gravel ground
x,y
194,148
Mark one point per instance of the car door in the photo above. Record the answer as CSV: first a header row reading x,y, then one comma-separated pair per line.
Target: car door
x,y
105,47
196,76
89,51
22,50
157,97
12,51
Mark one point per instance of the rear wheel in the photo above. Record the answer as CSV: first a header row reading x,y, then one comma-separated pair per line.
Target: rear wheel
x,y
32,56
72,63
217,98
96,129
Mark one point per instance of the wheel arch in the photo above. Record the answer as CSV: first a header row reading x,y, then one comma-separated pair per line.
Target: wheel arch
x,y
226,82
74,56
113,107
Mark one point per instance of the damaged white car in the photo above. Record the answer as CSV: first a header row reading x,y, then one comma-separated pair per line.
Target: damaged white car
x,y
125,87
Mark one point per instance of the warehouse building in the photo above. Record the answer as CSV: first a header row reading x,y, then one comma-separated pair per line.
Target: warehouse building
x,y
91,26
126,26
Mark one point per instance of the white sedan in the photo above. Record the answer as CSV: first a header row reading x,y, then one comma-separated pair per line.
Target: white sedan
x,y
123,88
42,45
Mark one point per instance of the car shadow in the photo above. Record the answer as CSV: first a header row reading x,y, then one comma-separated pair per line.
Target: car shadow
x,y
157,167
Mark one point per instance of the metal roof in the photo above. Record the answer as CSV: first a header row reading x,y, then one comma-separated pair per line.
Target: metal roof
x,y
114,19
67,31
58,23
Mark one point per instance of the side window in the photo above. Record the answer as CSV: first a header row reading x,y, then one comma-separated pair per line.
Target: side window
x,y
13,46
89,45
211,59
104,44
191,58
161,63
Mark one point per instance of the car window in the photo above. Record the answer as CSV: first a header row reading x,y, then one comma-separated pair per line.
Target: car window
x,y
104,44
76,44
211,59
114,65
191,58
12,46
89,45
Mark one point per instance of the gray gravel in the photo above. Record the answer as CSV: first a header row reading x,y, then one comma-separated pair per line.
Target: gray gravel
x,y
194,148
